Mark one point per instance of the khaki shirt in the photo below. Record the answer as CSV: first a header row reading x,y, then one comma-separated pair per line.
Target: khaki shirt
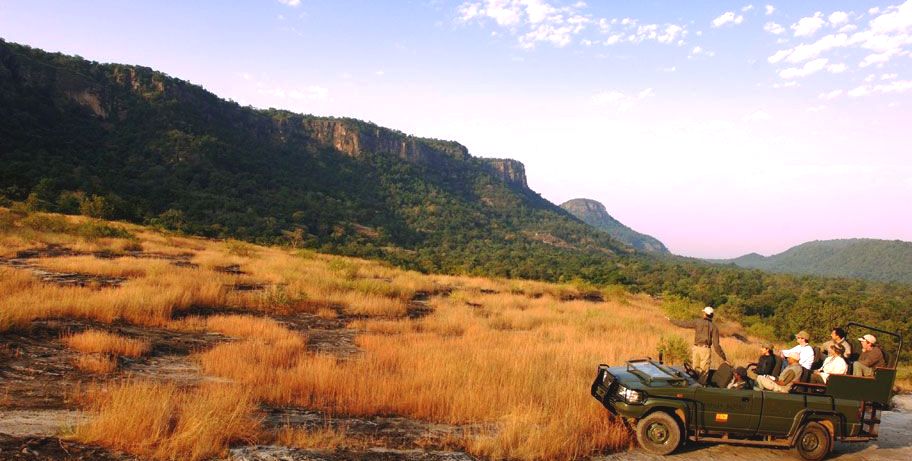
x,y
789,374
707,335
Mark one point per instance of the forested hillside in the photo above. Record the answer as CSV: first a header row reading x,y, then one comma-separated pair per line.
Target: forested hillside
x,y
871,259
130,143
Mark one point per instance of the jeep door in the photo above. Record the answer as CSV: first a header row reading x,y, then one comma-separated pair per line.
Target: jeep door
x,y
729,410
779,411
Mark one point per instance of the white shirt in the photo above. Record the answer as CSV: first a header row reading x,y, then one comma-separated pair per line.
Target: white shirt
x,y
805,355
833,365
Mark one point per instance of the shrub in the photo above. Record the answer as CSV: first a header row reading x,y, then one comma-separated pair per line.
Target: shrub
x,y
46,223
680,308
239,248
674,349
97,229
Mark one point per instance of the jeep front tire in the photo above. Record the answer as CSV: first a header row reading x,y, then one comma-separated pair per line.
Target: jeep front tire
x,y
814,442
659,433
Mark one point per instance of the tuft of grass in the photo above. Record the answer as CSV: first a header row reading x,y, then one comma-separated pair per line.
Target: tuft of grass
x,y
163,422
101,342
96,363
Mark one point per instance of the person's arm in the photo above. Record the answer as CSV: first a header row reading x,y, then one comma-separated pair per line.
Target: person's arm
x,y
716,345
786,351
848,348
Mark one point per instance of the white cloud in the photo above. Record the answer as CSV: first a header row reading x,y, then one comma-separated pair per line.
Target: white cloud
x,y
836,68
830,95
879,58
808,69
888,77
806,27
770,9
807,51
621,101
747,8
874,10
838,18
773,28
728,17
291,3
699,51
895,86
669,69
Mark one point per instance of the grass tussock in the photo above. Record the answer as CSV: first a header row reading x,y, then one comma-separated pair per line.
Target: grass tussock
x,y
321,438
96,363
101,342
163,422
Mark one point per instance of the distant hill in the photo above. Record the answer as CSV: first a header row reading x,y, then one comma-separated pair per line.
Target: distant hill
x,y
594,213
872,259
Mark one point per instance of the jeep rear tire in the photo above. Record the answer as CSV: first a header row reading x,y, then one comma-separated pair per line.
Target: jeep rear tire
x,y
814,442
659,433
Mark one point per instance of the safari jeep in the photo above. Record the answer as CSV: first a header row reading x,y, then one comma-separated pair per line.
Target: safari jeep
x,y
667,406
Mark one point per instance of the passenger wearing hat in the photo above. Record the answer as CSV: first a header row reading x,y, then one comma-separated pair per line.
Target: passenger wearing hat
x,y
803,349
789,375
871,357
834,364
706,339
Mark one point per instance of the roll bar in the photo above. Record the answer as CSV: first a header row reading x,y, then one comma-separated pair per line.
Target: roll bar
x,y
896,336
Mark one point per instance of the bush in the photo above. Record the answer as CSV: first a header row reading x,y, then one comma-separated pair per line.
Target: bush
x,y
239,248
47,223
680,308
674,349
97,229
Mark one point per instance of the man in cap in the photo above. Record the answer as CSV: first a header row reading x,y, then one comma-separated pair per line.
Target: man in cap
x,y
706,339
783,383
803,349
870,359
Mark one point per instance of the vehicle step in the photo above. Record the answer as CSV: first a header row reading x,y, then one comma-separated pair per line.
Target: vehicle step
x,y
871,421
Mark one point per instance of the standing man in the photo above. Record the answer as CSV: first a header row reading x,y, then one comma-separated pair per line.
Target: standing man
x,y
803,349
871,357
706,339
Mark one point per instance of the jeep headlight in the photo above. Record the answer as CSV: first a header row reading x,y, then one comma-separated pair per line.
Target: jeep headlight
x,y
631,396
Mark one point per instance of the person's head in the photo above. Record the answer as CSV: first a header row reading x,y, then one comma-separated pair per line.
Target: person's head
x,y
792,358
740,374
837,334
837,350
803,337
867,342
708,312
766,349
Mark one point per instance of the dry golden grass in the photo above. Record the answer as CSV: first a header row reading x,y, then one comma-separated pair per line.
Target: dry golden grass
x,y
122,267
161,421
324,438
101,342
95,363
510,356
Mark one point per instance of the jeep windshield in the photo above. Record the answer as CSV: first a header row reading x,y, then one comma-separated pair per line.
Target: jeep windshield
x,y
649,371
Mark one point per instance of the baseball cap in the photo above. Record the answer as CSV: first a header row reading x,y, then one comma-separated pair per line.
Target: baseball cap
x,y
869,338
803,334
708,310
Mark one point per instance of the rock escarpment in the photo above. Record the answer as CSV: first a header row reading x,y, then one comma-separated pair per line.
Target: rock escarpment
x,y
594,213
510,171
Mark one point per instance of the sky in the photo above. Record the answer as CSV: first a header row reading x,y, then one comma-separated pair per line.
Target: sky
x,y
720,128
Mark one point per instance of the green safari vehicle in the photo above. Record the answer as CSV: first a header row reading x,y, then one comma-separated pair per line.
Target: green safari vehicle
x,y
666,406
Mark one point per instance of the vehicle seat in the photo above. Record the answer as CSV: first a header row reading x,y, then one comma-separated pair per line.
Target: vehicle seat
x,y
777,369
723,376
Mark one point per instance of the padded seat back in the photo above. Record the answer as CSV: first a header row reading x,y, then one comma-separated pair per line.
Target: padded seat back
x,y
723,376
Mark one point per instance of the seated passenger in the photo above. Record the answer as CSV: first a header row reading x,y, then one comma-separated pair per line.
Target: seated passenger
x,y
838,336
834,364
789,375
765,364
740,380
803,349
870,359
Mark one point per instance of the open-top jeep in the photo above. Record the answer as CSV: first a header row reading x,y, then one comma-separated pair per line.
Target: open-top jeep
x,y
666,406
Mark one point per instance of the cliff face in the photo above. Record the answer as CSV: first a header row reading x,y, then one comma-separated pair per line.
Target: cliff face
x,y
594,213
354,138
510,171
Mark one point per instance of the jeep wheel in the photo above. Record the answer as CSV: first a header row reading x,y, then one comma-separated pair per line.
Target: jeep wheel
x,y
814,442
659,433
